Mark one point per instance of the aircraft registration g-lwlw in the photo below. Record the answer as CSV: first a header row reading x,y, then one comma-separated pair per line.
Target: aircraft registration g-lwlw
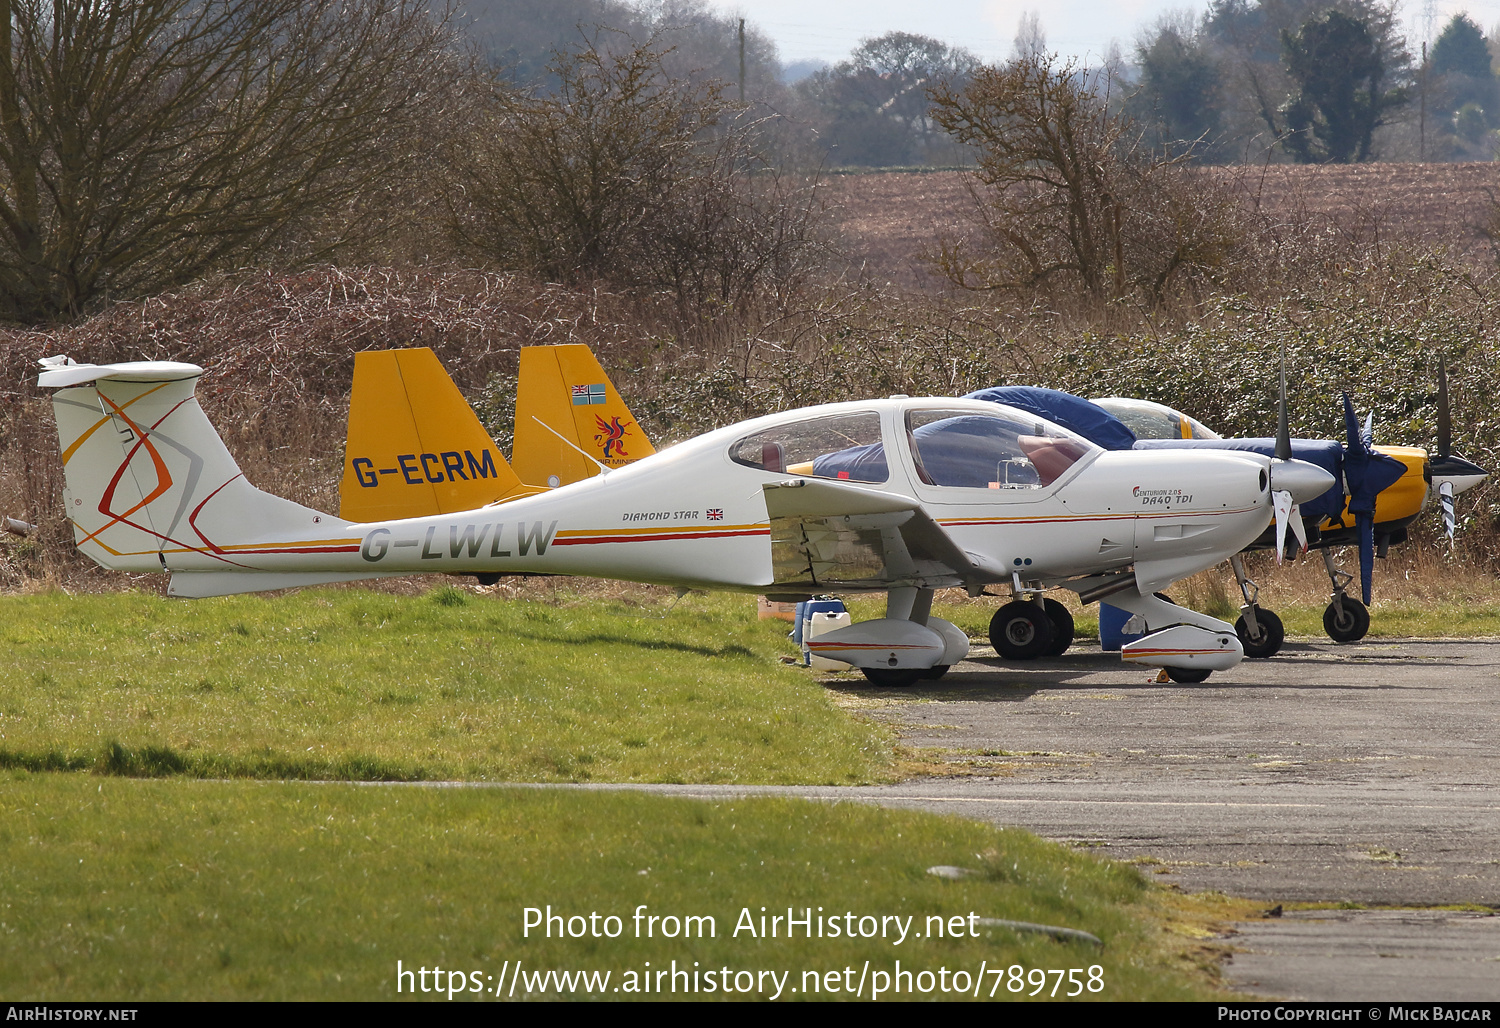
x,y
901,495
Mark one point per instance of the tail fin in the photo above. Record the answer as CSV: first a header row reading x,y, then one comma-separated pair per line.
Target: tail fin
x,y
565,389
415,447
149,483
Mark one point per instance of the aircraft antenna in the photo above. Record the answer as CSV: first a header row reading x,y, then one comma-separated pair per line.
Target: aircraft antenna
x,y
604,469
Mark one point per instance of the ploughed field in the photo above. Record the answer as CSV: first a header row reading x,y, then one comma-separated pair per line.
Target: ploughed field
x,y
890,218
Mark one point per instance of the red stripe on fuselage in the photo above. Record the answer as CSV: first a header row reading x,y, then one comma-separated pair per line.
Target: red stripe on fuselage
x,y
589,540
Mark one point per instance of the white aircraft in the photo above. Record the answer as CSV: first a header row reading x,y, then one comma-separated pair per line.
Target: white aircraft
x,y
902,496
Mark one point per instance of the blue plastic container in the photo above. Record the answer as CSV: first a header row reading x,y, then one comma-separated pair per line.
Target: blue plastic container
x,y
1112,633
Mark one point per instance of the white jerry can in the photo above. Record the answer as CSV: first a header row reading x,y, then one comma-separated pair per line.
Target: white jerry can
x,y
821,624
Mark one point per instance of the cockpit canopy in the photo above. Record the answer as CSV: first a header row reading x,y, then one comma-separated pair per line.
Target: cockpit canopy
x,y
1150,420
999,448
969,450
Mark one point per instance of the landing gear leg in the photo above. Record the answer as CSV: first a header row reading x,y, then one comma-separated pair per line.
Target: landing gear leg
x,y
1346,619
1260,630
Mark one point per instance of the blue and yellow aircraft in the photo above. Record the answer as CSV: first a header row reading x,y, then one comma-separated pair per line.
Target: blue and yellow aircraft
x,y
1379,492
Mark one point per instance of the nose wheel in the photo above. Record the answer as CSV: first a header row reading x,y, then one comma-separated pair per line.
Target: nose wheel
x,y
1260,631
1346,619
1265,638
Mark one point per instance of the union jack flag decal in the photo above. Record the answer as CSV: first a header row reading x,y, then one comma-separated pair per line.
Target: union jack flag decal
x,y
716,514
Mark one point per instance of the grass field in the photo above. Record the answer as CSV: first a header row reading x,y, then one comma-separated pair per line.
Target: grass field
x,y
178,890
346,684
1398,621
126,889
557,686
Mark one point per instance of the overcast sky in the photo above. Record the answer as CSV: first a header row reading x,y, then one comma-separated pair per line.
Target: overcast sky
x,y
827,30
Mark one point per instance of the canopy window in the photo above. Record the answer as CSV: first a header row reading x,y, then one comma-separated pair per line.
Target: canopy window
x,y
968,450
844,447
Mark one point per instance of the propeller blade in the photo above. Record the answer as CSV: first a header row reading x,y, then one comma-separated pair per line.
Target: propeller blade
x,y
1445,423
1298,528
1281,500
1362,487
1283,429
1366,523
1354,438
1445,495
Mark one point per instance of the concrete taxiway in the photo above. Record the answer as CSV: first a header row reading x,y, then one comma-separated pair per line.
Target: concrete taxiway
x,y
1364,773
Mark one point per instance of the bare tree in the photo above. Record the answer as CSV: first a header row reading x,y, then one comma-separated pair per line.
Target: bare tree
x,y
628,176
1066,190
1030,39
145,142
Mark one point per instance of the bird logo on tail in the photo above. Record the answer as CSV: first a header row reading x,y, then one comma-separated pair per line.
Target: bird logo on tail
x,y
611,436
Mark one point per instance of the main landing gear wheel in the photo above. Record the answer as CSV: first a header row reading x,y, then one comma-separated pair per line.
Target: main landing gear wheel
x,y
1272,634
1021,630
935,672
1346,620
894,677
1188,675
1062,627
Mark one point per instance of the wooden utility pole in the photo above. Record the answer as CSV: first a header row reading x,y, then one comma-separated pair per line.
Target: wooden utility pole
x,y
1422,109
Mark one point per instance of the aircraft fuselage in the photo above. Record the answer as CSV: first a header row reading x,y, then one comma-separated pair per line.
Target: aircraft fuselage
x,y
694,516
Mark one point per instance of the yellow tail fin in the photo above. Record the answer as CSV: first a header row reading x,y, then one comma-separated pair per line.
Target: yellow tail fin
x,y
415,447
565,389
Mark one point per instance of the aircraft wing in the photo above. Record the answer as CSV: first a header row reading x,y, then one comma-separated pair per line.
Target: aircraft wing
x,y
827,535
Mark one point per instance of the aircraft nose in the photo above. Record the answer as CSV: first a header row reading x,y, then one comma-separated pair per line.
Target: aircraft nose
x,y
1303,480
1463,474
